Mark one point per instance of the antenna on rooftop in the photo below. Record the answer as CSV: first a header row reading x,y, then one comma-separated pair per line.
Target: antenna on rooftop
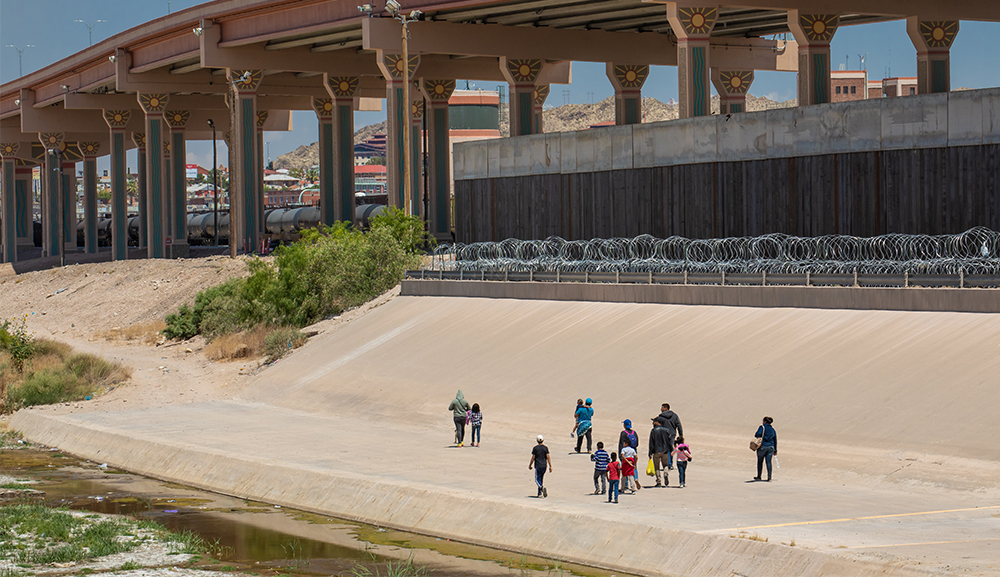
x,y
863,59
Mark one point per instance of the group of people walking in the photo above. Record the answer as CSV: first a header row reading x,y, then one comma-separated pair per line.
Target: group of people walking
x,y
617,472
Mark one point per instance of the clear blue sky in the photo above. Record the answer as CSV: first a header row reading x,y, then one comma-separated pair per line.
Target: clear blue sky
x,y
49,25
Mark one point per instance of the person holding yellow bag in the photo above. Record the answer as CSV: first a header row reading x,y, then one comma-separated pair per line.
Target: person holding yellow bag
x,y
661,444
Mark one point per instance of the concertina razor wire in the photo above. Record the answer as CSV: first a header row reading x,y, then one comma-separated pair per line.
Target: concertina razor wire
x,y
974,252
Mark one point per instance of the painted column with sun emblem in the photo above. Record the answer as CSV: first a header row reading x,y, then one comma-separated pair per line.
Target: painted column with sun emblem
x,y
438,94
70,156
627,80
89,151
521,74
25,203
51,180
933,40
693,27
397,156
343,89
139,139
153,106
327,203
117,120
261,190
8,200
244,221
813,32
541,95
732,86
417,148
177,121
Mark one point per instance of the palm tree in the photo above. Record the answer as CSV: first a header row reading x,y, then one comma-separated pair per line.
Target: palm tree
x,y
132,190
312,175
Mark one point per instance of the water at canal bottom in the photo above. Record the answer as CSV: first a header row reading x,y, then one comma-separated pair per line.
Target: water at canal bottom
x,y
258,537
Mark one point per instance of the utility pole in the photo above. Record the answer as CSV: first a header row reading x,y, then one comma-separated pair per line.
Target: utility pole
x,y
20,51
590,96
90,28
215,183
565,96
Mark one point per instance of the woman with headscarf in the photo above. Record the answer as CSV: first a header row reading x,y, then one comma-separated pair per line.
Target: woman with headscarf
x,y
459,408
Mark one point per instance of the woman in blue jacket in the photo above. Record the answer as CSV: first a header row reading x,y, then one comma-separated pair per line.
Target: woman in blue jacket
x,y
768,446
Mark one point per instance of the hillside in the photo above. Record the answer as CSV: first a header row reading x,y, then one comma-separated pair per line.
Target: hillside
x,y
557,119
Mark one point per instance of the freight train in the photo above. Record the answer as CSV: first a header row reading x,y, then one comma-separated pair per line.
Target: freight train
x,y
281,225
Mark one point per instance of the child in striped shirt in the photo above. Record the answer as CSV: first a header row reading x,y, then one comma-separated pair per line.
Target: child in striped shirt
x,y
601,460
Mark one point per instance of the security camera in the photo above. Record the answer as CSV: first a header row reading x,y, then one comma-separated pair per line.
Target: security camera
x,y
198,31
416,15
366,9
392,7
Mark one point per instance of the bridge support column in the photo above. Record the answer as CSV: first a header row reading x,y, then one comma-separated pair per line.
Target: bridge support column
x,y
627,80
139,138
933,40
70,199
51,181
693,26
732,86
813,32
540,96
521,75
417,147
8,200
343,90
261,189
156,197
25,204
117,120
89,150
396,74
438,93
177,121
327,198
244,221
168,197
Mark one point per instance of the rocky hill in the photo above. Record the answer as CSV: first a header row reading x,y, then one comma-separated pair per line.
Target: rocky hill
x,y
557,119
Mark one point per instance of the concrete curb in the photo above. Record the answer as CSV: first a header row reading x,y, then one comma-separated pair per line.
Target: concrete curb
x,y
565,535
856,298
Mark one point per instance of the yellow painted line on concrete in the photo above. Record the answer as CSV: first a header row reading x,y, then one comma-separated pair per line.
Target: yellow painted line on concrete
x,y
927,543
823,521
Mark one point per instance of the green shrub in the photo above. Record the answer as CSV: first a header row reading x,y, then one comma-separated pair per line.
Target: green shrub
x,y
16,341
409,231
181,325
70,379
329,270
282,340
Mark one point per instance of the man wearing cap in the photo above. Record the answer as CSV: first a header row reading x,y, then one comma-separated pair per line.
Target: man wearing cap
x,y
584,415
539,457
674,429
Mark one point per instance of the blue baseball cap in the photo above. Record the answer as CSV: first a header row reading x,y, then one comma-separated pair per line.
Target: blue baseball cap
x,y
589,401
627,423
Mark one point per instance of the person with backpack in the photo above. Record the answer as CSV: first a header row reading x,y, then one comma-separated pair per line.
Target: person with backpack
x,y
459,408
661,444
629,438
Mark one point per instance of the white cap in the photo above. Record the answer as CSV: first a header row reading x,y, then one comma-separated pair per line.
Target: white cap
x,y
540,438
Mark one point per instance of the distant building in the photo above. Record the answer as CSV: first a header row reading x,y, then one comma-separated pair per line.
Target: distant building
x,y
900,86
192,171
849,85
874,89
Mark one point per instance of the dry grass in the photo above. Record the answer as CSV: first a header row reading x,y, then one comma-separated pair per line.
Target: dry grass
x,y
242,345
745,535
147,333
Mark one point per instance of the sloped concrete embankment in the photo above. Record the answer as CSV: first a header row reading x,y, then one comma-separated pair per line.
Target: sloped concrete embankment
x,y
484,520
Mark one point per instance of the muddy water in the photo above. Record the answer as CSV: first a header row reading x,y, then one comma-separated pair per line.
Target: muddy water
x,y
257,536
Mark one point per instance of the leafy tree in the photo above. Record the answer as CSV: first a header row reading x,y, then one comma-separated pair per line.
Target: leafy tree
x,y
132,190
379,160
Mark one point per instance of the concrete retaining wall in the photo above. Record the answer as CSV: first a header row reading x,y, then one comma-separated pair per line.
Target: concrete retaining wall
x,y
970,117
897,299
617,546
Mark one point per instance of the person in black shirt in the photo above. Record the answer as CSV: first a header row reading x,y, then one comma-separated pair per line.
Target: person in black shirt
x,y
540,456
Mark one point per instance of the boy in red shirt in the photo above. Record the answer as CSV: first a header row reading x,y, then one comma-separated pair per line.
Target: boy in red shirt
x,y
614,475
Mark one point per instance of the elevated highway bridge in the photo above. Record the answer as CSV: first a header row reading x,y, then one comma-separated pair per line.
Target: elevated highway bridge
x,y
246,64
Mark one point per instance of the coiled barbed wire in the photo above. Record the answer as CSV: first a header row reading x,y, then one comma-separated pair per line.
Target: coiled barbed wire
x,y
974,252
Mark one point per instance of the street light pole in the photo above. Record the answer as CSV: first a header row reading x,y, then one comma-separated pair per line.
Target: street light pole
x,y
215,183
90,28
20,51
